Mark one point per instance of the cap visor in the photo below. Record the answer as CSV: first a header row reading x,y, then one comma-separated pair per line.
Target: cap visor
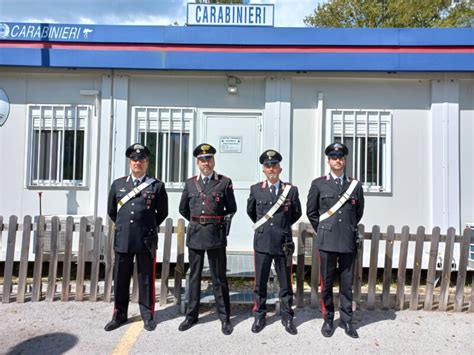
x,y
205,156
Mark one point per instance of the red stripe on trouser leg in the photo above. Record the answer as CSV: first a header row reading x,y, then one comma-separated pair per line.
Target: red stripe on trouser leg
x,y
255,306
321,284
152,306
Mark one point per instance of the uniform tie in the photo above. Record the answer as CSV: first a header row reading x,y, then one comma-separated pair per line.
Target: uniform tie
x,y
136,182
205,180
273,191
339,183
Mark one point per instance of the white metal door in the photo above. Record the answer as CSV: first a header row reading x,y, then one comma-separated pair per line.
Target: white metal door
x,y
237,137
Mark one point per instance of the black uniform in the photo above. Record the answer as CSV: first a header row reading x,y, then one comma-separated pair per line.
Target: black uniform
x,y
205,206
268,240
136,235
336,239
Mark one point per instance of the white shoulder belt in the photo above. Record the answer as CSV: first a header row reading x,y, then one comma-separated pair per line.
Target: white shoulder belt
x,y
274,208
134,192
345,196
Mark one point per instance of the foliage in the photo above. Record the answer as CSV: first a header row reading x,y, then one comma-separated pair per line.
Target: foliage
x,y
392,13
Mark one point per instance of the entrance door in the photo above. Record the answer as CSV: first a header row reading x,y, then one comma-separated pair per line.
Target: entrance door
x,y
237,137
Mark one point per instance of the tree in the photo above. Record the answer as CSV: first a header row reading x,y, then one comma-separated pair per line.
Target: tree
x,y
393,13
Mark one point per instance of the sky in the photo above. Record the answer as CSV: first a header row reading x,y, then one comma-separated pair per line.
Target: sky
x,y
288,13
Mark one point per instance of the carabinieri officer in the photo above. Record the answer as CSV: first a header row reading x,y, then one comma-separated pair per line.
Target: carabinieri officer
x,y
273,205
207,198
334,208
137,204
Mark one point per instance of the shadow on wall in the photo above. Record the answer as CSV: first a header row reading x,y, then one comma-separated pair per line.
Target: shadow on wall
x,y
52,343
72,205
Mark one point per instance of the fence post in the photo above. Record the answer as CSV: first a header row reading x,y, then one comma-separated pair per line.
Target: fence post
x,y
165,268
81,258
38,268
463,260
53,259
109,263
300,266
8,272
67,259
95,259
387,270
25,250
374,253
430,277
402,267
415,279
179,269
446,276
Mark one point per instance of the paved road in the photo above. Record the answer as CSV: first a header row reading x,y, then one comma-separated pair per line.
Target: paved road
x,y
77,328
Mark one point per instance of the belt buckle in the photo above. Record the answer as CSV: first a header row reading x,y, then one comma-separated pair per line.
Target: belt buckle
x,y
202,220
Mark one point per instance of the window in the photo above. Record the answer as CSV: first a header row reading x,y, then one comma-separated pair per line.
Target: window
x,y
367,134
58,144
166,132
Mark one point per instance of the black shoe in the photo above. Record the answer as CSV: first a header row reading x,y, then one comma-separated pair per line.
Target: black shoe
x,y
349,329
258,325
115,323
289,326
227,327
327,330
149,324
186,324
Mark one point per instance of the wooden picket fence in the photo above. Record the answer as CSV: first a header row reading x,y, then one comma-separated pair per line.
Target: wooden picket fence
x,y
53,233
461,298
86,229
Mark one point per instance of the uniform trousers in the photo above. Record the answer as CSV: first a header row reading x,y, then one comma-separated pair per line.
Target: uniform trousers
x,y
218,267
263,263
123,271
331,263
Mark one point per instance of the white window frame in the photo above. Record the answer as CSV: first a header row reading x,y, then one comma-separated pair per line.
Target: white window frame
x,y
53,117
379,127
160,113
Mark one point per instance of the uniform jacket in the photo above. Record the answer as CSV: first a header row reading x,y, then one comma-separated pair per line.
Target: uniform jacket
x,y
140,217
270,236
216,199
338,232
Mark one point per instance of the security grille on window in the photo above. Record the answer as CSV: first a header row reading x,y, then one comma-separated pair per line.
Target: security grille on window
x,y
58,143
367,134
166,132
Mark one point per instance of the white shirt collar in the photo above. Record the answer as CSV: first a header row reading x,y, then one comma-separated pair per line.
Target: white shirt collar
x,y
277,184
343,176
210,176
140,178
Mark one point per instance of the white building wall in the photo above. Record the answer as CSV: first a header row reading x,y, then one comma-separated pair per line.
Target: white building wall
x,y
33,87
409,202
466,128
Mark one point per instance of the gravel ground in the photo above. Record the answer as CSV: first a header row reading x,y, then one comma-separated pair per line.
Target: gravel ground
x,y
77,328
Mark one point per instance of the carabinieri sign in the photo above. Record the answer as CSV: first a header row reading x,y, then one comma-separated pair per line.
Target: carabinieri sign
x,y
230,15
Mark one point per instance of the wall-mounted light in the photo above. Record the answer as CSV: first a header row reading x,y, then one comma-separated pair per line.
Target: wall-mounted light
x,y
232,82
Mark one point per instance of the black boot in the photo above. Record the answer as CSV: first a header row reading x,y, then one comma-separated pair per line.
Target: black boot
x,y
116,322
327,330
